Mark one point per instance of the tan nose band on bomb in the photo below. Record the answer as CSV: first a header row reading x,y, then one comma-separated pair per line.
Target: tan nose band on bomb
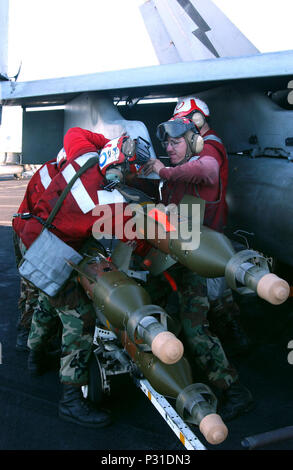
x,y
273,289
167,347
213,428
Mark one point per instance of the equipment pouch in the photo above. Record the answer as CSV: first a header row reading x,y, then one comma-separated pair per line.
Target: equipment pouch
x,y
45,263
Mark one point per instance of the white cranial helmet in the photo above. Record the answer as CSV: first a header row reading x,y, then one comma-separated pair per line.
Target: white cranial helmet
x,y
192,108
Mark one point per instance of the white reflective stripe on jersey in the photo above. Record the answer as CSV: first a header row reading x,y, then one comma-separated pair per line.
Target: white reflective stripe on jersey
x,y
45,177
78,191
84,158
213,137
110,197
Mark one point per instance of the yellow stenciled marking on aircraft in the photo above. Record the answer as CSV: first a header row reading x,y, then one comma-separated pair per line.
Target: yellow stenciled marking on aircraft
x,y
182,438
150,396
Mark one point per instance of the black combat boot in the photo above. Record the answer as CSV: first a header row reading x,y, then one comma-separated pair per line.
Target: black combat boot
x,y
236,400
37,362
76,409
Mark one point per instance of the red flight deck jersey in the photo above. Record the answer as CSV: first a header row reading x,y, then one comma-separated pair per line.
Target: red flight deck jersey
x,y
35,188
74,221
204,176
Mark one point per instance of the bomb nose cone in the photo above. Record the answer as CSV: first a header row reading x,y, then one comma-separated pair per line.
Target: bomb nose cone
x,y
281,293
273,289
167,347
173,351
218,436
213,428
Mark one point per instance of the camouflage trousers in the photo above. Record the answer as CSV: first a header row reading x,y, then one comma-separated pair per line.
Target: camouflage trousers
x,y
77,316
28,293
27,303
203,346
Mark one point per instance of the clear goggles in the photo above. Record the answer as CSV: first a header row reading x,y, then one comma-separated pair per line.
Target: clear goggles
x,y
175,128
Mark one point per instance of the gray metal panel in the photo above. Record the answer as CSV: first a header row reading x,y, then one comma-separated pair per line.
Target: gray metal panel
x,y
248,120
42,136
161,80
97,114
260,193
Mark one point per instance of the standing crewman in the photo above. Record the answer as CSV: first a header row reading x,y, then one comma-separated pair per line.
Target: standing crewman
x,y
28,293
203,174
224,313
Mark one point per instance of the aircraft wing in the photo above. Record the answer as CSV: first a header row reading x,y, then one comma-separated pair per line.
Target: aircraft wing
x,y
263,71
